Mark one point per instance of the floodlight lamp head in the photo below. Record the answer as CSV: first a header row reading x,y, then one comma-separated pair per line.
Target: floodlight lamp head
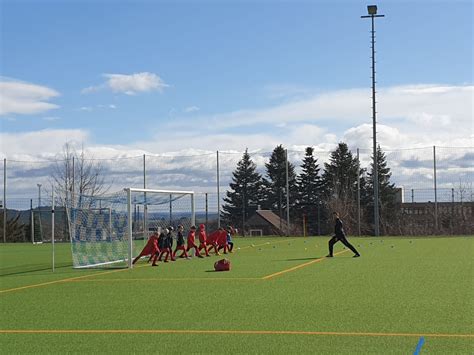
x,y
372,9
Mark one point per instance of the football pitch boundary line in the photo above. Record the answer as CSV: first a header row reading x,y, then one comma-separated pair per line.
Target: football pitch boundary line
x,y
200,279
299,266
236,332
61,280
80,278
267,277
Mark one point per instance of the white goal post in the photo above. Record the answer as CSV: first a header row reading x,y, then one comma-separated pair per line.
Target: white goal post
x,y
103,228
256,232
130,191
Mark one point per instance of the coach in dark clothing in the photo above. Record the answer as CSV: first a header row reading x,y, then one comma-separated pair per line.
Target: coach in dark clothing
x,y
339,235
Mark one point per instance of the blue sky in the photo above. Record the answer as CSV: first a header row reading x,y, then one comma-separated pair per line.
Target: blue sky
x,y
206,66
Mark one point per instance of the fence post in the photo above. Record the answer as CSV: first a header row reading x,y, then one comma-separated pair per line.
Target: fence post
x,y
287,196
32,220
4,200
207,211
171,210
218,195
435,189
193,210
73,191
358,193
52,221
145,206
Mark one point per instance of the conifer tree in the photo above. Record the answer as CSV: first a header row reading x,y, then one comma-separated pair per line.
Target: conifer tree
x,y
244,193
340,186
275,183
387,194
309,192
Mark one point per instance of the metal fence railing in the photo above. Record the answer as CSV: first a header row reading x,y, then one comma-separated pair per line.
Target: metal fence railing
x,y
432,175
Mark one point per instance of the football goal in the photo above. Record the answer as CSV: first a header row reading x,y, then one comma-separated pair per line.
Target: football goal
x,y
109,230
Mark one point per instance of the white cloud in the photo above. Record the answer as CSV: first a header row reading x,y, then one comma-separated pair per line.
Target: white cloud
x,y
17,97
129,84
412,116
86,108
37,144
191,109
441,104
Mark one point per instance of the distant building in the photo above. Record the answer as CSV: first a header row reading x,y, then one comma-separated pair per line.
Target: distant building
x,y
265,222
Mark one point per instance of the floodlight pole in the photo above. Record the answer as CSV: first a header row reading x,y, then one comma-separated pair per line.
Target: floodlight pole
x,y
372,9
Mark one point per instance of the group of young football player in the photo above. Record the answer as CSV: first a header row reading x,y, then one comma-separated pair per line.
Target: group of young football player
x,y
161,245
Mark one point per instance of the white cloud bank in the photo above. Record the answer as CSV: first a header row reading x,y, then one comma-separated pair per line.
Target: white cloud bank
x,y
416,104
411,116
17,97
408,116
130,84
41,144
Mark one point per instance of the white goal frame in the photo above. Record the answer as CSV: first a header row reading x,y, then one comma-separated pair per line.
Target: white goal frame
x,y
259,231
129,192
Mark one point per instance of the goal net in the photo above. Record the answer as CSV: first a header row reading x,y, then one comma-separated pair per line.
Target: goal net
x,y
109,230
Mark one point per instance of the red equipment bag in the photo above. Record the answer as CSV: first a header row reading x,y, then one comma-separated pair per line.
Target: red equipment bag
x,y
222,265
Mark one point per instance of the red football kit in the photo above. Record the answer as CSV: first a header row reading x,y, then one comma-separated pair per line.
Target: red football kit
x,y
151,248
203,239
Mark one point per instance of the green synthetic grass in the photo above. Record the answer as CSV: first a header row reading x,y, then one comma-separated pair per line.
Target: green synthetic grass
x,y
419,286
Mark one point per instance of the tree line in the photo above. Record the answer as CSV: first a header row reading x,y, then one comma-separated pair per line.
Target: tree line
x,y
314,193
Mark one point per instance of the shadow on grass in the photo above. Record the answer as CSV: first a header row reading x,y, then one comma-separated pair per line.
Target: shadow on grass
x,y
32,269
39,268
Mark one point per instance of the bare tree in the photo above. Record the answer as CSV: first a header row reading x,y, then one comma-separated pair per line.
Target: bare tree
x,y
465,192
77,174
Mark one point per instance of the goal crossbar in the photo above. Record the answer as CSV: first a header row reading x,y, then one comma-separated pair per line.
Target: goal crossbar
x,y
133,189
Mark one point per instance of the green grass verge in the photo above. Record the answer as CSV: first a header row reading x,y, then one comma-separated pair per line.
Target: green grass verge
x,y
399,285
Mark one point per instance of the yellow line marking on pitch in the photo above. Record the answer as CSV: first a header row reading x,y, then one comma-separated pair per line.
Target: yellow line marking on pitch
x,y
298,266
61,280
106,272
252,332
174,279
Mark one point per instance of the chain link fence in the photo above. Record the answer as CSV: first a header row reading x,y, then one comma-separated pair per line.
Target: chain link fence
x,y
435,184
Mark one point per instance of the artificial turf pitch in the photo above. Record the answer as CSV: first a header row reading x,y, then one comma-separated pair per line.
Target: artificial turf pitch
x,y
281,296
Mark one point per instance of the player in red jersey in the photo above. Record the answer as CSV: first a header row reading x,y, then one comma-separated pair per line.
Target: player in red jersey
x,y
191,243
150,248
222,240
203,239
212,241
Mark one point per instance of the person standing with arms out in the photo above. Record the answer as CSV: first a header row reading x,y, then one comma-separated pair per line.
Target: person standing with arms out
x,y
340,236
